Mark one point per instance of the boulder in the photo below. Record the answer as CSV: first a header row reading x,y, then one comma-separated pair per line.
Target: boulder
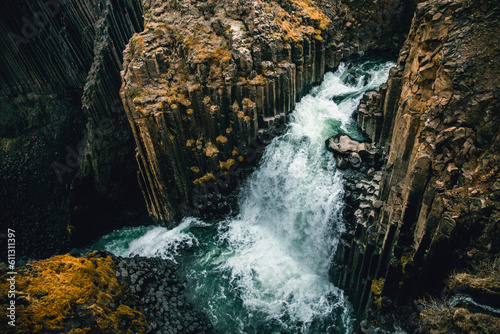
x,y
348,152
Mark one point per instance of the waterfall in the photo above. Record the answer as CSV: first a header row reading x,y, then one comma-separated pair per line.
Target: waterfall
x,y
265,268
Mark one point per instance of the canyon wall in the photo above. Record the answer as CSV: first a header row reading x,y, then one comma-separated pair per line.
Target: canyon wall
x,y
205,86
436,204
66,150
207,83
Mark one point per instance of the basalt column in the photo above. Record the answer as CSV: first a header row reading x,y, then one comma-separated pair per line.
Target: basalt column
x,y
204,81
59,83
437,206
207,79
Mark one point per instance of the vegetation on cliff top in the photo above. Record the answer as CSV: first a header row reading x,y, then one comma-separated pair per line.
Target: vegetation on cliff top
x,y
65,294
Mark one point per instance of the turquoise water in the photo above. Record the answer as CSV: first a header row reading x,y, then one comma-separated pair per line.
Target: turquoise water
x,y
265,268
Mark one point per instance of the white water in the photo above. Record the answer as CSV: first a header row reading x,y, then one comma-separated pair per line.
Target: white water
x,y
265,270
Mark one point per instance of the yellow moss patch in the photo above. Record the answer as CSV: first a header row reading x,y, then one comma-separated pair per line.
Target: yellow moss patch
x,y
204,179
190,142
211,150
377,303
292,24
221,139
259,80
405,258
377,286
249,103
53,291
195,169
70,229
227,165
313,12
235,152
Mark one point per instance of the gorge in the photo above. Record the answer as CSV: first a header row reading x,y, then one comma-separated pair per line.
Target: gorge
x,y
208,90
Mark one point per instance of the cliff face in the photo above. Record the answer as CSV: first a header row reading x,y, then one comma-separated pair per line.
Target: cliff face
x,y
438,118
61,120
207,81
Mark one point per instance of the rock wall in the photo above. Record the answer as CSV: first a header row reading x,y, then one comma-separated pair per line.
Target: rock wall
x,y
438,203
65,148
207,81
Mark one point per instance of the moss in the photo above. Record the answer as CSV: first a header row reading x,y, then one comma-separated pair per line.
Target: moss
x,y
292,24
377,303
62,293
135,92
221,139
377,286
405,258
227,165
135,46
195,169
70,229
311,10
211,150
249,103
204,179
259,80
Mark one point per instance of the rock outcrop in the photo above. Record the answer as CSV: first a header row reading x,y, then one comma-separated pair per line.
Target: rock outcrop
x,y
438,119
207,79
350,153
66,150
65,294
101,293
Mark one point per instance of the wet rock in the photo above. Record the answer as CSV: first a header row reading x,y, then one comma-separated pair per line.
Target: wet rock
x,y
350,153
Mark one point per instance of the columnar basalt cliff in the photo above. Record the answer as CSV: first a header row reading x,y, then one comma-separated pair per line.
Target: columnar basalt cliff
x,y
438,204
66,148
206,80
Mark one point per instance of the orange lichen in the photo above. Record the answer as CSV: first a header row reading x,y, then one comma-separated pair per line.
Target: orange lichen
x,y
377,286
57,292
227,164
259,80
221,139
292,24
204,179
211,150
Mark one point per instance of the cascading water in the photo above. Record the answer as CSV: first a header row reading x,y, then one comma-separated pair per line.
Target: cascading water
x,y
265,269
